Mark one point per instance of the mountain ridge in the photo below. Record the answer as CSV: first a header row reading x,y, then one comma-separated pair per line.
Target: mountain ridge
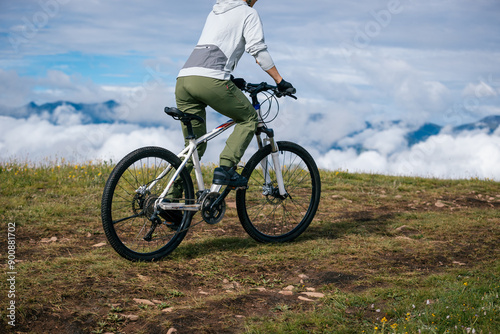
x,y
488,124
92,113
61,112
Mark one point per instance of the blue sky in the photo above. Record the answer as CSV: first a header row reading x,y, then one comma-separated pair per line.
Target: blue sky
x,y
352,62
366,47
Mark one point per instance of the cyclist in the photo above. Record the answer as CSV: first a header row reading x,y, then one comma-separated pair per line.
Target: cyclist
x,y
232,28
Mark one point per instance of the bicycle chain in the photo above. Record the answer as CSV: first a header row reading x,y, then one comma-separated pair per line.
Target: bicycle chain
x,y
190,226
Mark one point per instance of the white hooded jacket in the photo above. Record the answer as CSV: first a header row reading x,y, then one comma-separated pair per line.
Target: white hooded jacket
x,y
231,29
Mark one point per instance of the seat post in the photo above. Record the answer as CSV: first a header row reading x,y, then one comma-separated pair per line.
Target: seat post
x,y
190,133
186,119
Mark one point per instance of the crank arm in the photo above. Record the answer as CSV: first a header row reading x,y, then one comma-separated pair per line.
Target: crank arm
x,y
221,197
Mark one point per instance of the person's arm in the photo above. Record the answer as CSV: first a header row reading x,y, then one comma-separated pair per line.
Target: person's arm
x,y
273,72
283,85
254,37
255,45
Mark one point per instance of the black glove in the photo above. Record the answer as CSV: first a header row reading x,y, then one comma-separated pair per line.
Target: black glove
x,y
239,82
286,87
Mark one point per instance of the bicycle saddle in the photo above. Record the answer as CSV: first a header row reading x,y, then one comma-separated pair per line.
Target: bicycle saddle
x,y
181,116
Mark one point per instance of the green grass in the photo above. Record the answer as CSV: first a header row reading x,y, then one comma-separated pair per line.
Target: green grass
x,y
389,255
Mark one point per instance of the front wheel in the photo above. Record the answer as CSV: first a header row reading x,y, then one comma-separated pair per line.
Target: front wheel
x,y
130,220
268,216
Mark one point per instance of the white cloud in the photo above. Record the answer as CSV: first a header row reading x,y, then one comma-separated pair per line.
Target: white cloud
x,y
14,90
415,67
384,150
408,70
480,90
144,104
35,139
443,156
66,115
383,140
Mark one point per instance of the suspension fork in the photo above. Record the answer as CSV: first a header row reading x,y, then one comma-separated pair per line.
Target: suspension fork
x,y
275,159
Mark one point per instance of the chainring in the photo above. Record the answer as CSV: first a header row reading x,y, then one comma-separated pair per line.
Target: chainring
x,y
214,215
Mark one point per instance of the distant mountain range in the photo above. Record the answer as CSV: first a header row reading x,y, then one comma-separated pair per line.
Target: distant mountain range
x,y
90,113
98,113
488,125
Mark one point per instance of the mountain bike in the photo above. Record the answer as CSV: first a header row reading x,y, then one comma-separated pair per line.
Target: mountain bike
x,y
149,199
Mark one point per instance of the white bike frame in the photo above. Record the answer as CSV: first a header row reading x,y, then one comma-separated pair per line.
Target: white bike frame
x,y
190,151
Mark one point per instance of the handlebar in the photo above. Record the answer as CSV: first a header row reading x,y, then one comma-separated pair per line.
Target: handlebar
x,y
255,89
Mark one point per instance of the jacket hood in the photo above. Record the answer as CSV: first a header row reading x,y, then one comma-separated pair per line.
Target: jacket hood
x,y
222,6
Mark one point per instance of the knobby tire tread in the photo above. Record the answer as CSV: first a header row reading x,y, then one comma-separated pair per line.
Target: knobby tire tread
x,y
107,198
250,228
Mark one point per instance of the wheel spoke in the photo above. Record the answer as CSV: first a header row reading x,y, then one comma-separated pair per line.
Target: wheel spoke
x,y
265,215
128,205
127,218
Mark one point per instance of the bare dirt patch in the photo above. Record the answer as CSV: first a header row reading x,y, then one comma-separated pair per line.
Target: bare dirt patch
x,y
219,280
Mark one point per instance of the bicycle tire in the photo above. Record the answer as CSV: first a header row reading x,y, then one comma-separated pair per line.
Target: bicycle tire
x,y
263,214
125,212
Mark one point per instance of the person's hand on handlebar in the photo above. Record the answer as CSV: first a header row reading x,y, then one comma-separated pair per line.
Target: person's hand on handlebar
x,y
286,88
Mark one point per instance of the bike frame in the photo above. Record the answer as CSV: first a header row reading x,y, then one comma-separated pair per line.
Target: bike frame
x,y
190,151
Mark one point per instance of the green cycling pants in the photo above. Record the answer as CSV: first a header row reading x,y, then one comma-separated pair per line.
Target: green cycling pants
x,y
194,93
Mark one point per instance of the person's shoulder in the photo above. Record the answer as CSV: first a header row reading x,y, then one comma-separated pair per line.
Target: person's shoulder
x,y
247,10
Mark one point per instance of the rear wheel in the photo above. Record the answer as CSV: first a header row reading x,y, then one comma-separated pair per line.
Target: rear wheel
x,y
266,215
128,206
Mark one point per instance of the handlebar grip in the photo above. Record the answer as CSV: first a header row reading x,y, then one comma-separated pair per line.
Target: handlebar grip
x,y
281,94
254,89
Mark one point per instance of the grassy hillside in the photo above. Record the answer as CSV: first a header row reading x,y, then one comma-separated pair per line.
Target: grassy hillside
x,y
383,255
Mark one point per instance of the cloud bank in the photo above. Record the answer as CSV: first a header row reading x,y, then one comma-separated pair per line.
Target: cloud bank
x,y
380,149
352,62
474,155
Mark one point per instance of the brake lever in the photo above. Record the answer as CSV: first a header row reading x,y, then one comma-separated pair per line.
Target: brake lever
x,y
281,94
